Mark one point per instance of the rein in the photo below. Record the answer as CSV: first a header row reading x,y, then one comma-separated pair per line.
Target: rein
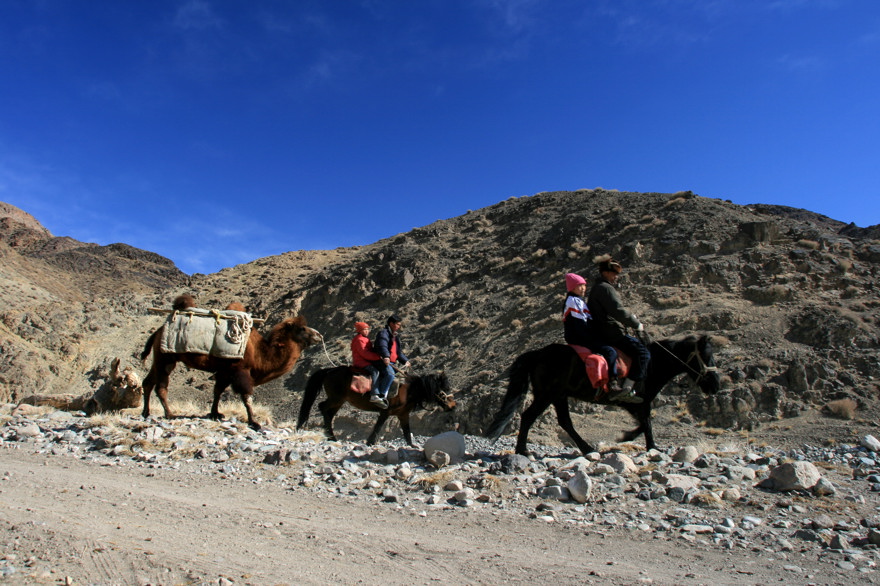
x,y
704,370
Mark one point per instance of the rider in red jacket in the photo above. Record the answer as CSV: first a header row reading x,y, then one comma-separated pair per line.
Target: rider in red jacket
x,y
362,354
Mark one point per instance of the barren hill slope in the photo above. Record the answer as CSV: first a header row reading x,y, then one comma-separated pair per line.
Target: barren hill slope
x,y
793,292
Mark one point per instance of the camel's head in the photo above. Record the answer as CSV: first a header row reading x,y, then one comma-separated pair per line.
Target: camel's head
x,y
295,329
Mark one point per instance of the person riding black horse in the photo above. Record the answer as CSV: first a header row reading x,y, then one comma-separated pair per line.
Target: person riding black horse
x,y
581,330
612,319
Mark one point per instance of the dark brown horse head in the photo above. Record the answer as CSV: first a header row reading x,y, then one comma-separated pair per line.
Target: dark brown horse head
x,y
701,366
431,389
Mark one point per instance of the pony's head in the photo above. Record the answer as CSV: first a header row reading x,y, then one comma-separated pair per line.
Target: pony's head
x,y
700,364
430,389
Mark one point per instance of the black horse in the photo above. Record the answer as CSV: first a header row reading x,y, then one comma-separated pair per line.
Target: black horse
x,y
557,373
415,392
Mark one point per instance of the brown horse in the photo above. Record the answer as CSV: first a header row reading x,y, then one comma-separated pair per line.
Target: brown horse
x,y
414,393
264,359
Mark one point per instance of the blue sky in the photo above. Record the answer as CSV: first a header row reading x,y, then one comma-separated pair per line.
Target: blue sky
x,y
219,132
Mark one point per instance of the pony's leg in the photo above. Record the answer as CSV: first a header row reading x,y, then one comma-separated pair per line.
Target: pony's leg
x,y
380,422
528,418
563,416
328,410
407,432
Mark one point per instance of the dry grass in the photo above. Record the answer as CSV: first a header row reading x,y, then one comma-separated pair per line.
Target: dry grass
x,y
707,499
675,202
490,482
842,408
714,431
809,244
440,478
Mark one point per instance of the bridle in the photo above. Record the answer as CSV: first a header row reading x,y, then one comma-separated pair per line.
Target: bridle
x,y
704,369
443,396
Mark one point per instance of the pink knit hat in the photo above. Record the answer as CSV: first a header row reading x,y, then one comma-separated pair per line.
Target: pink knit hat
x,y
572,280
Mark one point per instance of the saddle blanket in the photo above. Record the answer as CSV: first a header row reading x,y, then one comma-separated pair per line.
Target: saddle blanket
x,y
223,334
597,366
363,384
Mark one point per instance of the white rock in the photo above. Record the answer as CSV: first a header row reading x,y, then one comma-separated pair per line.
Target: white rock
x,y
686,454
870,442
621,463
681,481
454,486
580,487
450,442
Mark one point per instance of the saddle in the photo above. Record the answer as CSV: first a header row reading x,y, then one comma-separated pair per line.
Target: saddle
x,y
362,384
597,366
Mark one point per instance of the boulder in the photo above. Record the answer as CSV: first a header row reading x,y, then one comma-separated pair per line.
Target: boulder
x,y
792,476
450,442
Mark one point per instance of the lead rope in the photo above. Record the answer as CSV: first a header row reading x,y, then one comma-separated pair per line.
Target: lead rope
x,y
327,354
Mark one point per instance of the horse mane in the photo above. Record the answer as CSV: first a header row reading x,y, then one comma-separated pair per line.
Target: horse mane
x,y
423,389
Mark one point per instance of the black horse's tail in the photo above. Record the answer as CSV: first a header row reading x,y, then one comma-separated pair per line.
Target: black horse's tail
x,y
313,387
516,392
149,345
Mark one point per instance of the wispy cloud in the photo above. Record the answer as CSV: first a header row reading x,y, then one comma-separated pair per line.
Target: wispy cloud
x,y
196,15
802,63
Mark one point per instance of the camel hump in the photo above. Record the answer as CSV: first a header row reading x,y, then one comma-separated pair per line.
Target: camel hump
x,y
184,301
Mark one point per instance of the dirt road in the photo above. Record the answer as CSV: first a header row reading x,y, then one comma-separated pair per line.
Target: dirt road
x,y
67,520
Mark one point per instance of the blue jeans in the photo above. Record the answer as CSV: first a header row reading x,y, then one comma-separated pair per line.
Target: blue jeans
x,y
373,372
639,353
386,377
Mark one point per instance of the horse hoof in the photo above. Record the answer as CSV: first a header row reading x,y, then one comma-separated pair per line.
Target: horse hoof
x,y
254,425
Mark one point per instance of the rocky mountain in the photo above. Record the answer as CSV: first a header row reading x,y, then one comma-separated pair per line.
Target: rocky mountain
x,y
791,296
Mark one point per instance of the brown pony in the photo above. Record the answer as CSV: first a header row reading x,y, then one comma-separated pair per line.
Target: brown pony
x,y
264,359
414,393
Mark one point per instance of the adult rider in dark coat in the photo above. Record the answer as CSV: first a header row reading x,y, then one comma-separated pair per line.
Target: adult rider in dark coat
x,y
612,319
387,345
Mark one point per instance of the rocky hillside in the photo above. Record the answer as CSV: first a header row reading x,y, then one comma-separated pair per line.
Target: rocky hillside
x,y
791,294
